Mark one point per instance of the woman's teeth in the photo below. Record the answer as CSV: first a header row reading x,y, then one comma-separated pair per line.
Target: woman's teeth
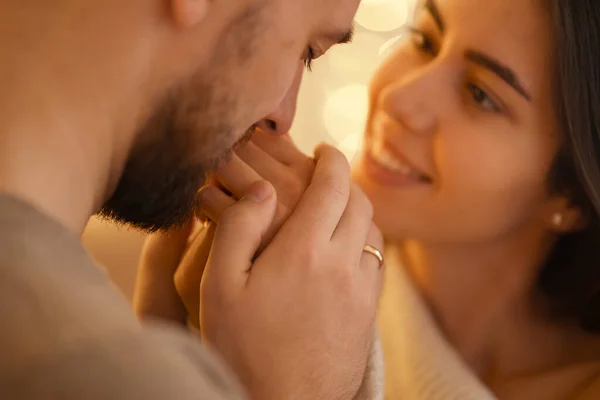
x,y
392,163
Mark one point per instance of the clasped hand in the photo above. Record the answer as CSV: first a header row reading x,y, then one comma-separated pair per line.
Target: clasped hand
x,y
278,283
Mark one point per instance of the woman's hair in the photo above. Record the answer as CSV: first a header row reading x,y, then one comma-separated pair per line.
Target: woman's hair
x,y
570,278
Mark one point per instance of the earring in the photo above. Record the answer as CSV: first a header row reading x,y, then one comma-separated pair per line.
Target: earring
x,y
557,219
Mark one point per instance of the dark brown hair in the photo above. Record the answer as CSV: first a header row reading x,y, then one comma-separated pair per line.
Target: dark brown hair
x,y
570,279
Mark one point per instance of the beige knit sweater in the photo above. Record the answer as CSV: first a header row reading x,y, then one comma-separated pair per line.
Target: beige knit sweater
x,y
419,363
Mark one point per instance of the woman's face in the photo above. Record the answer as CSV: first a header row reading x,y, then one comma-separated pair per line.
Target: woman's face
x,y
461,137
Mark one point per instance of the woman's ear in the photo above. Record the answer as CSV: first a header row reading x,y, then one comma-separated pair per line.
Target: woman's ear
x,y
189,13
562,216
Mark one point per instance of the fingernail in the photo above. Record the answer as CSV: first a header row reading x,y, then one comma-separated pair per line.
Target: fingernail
x,y
259,192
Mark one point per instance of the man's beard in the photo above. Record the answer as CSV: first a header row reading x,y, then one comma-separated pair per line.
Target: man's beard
x,y
189,133
187,137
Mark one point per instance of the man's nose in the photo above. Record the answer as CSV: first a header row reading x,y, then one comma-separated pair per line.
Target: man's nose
x,y
280,120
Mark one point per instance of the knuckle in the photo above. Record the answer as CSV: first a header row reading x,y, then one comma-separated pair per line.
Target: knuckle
x,y
340,162
311,259
337,182
335,187
332,158
340,158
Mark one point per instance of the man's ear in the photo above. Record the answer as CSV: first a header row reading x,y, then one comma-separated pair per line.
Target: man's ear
x,y
189,13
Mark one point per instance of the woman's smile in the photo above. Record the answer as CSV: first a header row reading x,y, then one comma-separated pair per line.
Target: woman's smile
x,y
386,162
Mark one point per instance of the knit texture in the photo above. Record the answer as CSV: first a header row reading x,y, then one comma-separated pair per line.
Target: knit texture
x,y
420,364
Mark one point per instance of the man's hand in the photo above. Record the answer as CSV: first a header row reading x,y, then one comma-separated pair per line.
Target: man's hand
x,y
298,320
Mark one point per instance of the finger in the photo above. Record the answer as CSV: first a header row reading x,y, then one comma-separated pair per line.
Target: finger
x,y
283,177
370,265
213,202
236,176
261,162
319,210
239,234
198,227
280,148
155,294
355,224
189,274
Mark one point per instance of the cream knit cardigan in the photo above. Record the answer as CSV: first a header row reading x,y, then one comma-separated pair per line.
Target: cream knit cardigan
x,y
419,363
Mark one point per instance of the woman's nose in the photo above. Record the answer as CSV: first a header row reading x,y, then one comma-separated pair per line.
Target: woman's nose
x,y
410,101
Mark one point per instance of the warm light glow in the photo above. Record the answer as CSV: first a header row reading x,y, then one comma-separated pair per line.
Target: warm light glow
x,y
345,111
383,15
350,145
337,87
388,47
354,62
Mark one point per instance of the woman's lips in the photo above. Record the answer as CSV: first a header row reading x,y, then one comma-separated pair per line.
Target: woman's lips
x,y
388,166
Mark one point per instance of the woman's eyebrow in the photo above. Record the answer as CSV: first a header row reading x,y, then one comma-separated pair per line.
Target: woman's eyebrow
x,y
499,69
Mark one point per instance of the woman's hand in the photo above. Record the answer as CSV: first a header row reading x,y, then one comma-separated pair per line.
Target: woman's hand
x,y
275,159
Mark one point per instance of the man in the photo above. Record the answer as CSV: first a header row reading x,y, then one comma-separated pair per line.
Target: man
x,y
123,106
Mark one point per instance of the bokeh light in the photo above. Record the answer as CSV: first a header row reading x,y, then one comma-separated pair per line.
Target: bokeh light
x,y
383,15
350,145
333,99
345,111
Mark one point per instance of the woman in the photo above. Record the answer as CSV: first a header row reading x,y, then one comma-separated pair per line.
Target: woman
x,y
471,163
481,163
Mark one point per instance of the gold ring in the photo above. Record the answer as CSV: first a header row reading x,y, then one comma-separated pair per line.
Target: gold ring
x,y
372,250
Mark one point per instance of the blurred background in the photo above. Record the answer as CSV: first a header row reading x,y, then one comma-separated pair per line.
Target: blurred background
x,y
332,108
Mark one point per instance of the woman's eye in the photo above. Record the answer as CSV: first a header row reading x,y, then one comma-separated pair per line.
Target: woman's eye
x,y
482,99
310,56
422,41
